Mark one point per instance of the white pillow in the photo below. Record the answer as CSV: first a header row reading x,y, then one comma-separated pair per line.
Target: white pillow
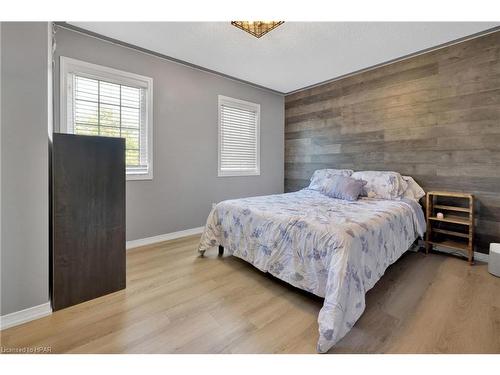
x,y
321,176
414,191
380,184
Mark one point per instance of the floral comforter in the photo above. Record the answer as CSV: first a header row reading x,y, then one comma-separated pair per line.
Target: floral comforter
x,y
333,248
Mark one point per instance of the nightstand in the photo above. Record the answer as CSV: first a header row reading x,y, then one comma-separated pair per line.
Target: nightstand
x,y
455,230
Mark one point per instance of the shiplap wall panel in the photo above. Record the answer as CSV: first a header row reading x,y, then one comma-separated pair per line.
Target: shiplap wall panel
x,y
435,116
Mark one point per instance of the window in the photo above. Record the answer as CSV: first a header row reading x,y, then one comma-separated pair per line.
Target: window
x,y
239,137
97,100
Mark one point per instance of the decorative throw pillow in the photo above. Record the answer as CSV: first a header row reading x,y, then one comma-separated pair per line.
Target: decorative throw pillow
x,y
343,187
382,185
321,176
414,191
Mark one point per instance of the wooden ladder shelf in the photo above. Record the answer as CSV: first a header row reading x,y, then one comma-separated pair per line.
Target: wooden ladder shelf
x,y
459,220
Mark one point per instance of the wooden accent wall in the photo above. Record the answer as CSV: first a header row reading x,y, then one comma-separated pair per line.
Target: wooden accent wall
x,y
434,116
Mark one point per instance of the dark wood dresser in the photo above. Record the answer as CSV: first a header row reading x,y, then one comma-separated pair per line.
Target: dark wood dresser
x,y
87,218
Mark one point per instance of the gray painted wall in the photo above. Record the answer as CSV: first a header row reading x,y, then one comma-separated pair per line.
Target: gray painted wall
x,y
185,137
24,172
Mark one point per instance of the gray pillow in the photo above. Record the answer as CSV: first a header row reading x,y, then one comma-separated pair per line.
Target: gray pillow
x,y
343,187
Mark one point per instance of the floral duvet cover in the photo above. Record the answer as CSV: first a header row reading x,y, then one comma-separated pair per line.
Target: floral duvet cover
x,y
333,248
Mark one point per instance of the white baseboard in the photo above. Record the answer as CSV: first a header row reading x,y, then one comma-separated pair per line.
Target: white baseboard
x,y
477,256
481,257
163,237
26,315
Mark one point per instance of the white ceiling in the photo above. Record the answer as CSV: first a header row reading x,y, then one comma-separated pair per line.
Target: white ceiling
x,y
293,56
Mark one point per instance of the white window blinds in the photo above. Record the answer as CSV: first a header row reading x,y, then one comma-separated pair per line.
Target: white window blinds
x,y
238,137
106,102
107,109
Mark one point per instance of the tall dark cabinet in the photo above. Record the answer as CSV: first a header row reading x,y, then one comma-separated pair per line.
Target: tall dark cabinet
x,y
87,218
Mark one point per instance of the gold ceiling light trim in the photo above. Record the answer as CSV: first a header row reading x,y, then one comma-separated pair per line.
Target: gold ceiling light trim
x,y
257,28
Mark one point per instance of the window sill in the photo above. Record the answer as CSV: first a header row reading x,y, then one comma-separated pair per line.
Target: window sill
x,y
239,174
138,177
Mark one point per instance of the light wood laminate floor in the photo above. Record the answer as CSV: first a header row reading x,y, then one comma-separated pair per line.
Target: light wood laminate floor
x,y
177,302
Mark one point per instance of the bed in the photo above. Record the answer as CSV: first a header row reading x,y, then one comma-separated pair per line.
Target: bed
x,y
333,248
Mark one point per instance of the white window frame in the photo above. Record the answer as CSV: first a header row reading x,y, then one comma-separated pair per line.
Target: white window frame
x,y
69,66
238,103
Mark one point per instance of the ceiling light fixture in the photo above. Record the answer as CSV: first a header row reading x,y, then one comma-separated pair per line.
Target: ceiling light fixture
x,y
257,28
